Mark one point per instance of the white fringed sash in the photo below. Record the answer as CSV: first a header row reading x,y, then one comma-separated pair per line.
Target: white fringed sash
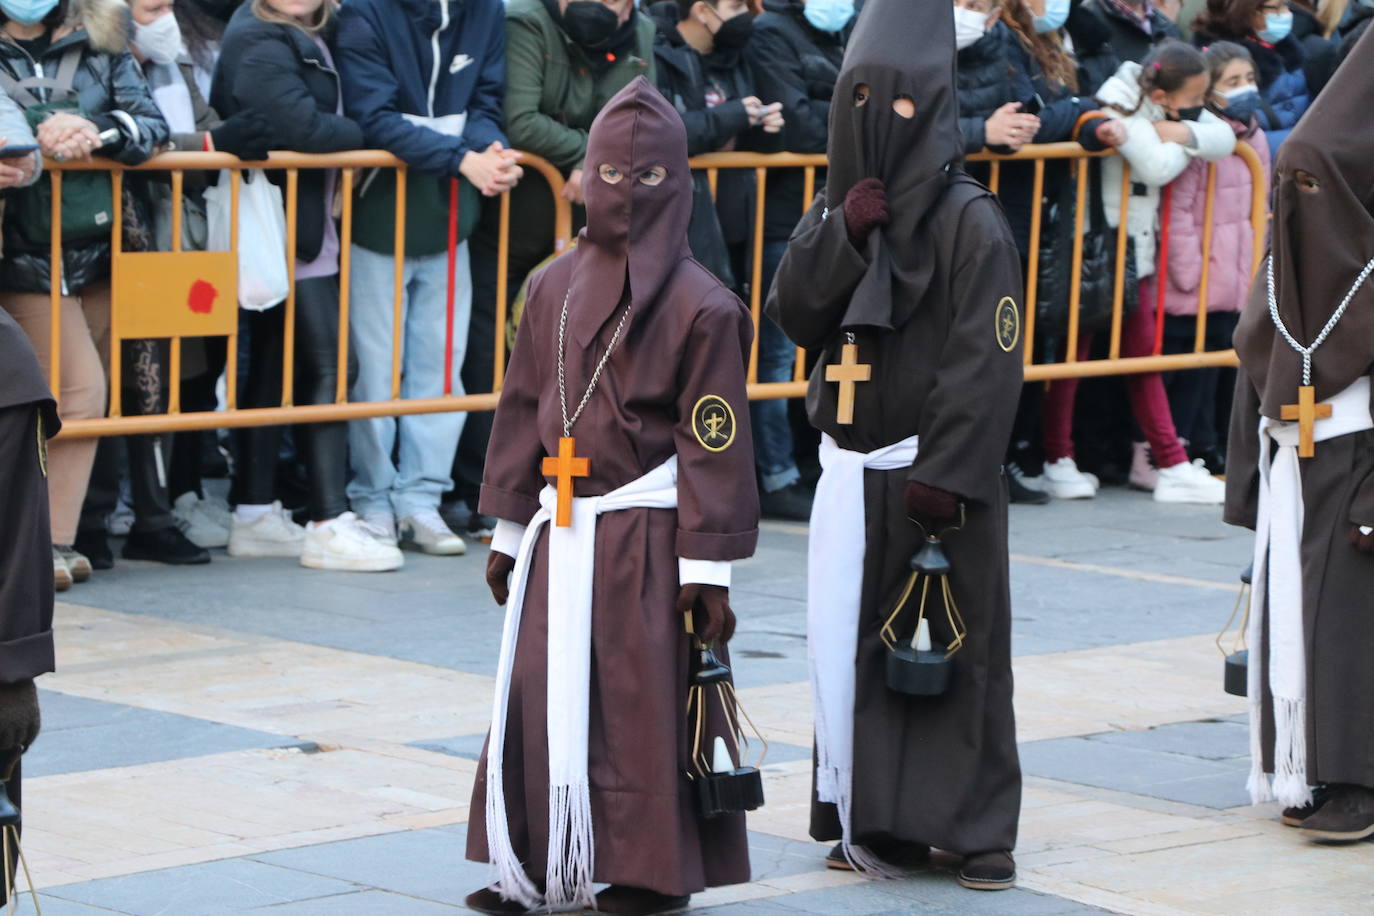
x,y
835,560
1278,581
572,565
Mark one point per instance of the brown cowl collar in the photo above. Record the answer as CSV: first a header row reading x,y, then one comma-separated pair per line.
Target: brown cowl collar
x,y
1323,235
633,231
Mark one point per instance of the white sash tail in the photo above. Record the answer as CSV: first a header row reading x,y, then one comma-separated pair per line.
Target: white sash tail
x,y
834,579
572,563
1278,581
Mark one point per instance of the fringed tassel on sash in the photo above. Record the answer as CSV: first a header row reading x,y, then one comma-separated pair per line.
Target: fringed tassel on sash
x,y
571,848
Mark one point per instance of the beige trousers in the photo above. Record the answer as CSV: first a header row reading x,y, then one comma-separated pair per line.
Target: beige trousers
x,y
85,347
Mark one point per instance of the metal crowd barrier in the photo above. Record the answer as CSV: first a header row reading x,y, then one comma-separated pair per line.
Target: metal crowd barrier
x,y
141,283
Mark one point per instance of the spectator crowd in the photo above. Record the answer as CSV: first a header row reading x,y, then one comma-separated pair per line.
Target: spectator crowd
x,y
461,90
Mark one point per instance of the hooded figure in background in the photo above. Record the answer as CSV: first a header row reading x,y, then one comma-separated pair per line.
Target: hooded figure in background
x,y
631,355
1311,687
905,277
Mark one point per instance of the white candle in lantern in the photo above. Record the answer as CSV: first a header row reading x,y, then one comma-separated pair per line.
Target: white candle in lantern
x,y
720,758
921,641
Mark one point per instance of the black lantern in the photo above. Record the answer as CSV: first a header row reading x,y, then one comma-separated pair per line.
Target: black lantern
x,y
10,820
724,783
1237,676
914,665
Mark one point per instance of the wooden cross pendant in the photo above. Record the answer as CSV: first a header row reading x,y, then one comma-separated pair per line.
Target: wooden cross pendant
x,y
848,371
564,468
1307,411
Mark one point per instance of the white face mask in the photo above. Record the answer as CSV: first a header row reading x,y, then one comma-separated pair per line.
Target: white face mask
x,y
160,40
968,27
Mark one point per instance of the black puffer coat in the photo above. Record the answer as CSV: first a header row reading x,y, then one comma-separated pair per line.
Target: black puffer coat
x,y
1127,38
280,72
113,93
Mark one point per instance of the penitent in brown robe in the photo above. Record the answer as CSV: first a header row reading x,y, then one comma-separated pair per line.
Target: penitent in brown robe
x,y
931,302
1323,237
681,361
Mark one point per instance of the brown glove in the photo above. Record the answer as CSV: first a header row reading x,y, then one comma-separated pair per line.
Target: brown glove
x,y
865,209
499,567
930,506
1360,541
712,602
20,719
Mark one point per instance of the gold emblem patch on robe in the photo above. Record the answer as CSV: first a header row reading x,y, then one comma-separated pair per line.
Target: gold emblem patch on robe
x,y
713,423
1008,324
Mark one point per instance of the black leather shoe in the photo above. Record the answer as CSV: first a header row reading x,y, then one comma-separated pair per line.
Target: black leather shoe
x,y
1347,816
638,901
1019,492
1294,816
95,546
901,855
166,545
488,901
792,503
988,871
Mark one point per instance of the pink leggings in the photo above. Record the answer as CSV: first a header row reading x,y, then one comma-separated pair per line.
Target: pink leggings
x,y
1146,390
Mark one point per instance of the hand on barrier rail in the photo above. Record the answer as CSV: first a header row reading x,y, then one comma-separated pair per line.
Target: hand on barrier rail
x,y
865,209
1008,126
493,171
65,136
1110,133
572,188
18,170
246,135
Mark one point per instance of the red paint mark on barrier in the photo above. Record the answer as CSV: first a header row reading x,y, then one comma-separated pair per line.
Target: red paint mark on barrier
x,y
201,298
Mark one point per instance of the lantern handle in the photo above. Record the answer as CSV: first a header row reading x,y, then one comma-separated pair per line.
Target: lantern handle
x,y
935,537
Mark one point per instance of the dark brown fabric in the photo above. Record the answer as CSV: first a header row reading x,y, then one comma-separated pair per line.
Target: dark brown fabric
x,y
26,580
22,380
687,343
632,230
1322,239
909,155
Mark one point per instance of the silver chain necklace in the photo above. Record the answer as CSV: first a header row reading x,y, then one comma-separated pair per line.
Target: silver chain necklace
x,y
1331,323
596,376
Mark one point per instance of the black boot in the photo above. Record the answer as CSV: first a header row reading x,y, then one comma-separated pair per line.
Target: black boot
x,y
791,503
95,546
988,871
1347,816
638,901
166,545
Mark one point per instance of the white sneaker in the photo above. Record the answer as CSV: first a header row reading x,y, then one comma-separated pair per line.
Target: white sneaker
x,y
201,521
120,522
1063,480
1144,475
382,526
272,534
427,531
346,543
61,572
1189,483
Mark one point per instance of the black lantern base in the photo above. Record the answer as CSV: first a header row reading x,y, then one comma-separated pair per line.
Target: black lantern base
x,y
917,673
729,793
1238,673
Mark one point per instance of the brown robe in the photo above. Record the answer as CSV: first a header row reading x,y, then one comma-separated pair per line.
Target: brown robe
x,y
942,771
684,350
1323,237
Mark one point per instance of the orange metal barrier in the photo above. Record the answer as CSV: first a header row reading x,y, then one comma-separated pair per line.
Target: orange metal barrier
x,y
138,311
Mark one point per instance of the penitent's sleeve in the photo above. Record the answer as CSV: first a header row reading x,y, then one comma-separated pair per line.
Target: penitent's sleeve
x,y
816,278
718,498
1242,456
966,421
511,480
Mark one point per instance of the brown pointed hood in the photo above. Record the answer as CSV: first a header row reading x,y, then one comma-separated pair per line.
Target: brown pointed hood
x,y
634,232
898,48
1323,235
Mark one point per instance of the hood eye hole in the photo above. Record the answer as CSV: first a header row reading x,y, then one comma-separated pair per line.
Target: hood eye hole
x,y
1306,181
861,95
904,106
653,176
609,173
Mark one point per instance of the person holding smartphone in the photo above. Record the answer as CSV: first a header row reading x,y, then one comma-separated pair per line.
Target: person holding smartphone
x,y
20,162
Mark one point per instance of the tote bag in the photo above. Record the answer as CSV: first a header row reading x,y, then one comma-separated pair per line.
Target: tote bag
x,y
263,280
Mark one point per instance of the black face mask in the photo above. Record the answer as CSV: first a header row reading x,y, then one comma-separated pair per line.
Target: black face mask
x,y
590,23
734,33
1189,114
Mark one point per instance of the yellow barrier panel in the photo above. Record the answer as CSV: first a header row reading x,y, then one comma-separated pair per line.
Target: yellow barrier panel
x,y
178,294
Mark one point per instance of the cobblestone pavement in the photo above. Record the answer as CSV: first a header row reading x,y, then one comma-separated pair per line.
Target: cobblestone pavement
x,y
251,735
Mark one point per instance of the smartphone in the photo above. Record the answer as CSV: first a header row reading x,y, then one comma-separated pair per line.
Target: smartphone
x,y
1033,106
14,152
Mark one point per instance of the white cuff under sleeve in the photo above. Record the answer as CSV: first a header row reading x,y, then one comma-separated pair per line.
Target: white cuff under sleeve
x,y
703,572
507,537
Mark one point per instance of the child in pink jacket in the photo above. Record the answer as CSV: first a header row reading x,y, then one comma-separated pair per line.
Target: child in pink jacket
x,y
1193,394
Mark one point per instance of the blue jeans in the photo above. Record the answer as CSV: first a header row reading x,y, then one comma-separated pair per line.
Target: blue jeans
x,y
773,450
427,441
